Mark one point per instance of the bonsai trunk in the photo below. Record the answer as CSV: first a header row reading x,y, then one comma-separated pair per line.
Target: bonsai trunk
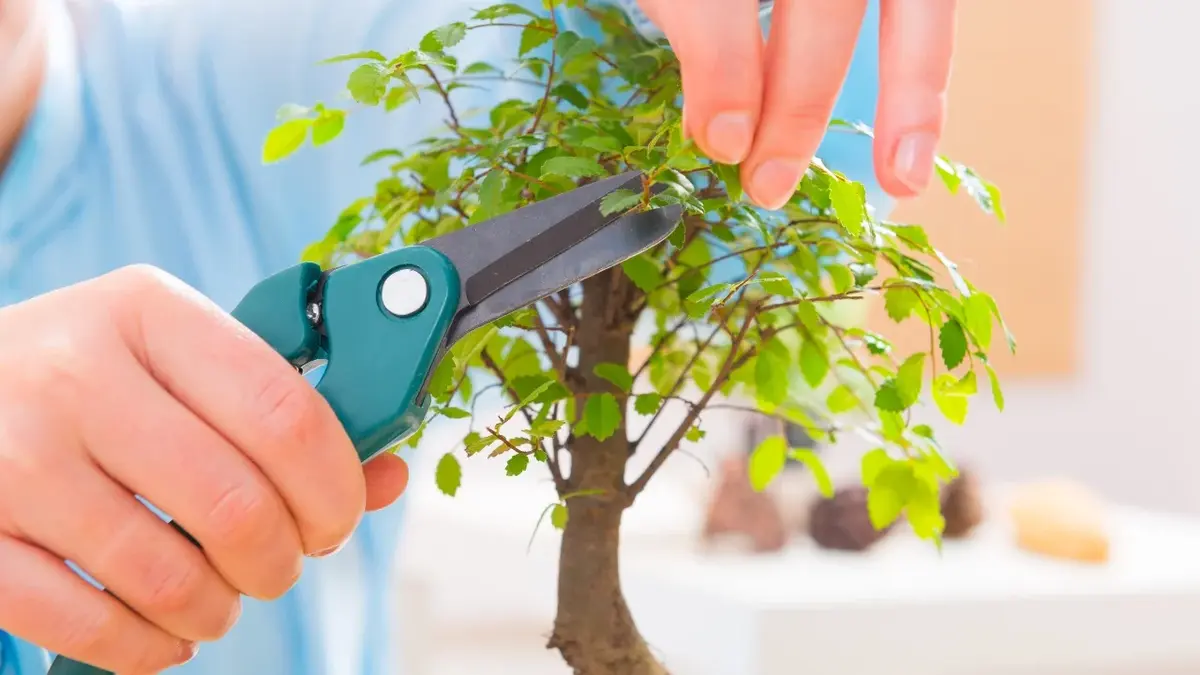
x,y
594,630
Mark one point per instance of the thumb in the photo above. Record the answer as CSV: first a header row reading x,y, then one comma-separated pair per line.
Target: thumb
x,y
386,477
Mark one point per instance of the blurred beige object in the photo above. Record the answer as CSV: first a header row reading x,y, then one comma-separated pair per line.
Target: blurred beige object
x,y
1060,519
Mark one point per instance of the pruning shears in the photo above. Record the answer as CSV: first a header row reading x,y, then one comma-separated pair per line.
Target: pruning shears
x,y
381,325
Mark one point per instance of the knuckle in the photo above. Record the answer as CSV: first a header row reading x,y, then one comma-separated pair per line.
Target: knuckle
x,y
171,586
241,515
790,116
140,278
89,634
289,411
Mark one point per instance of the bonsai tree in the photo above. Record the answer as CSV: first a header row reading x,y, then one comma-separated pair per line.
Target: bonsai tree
x,y
599,108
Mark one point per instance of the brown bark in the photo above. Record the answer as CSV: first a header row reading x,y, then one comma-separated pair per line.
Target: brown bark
x,y
594,630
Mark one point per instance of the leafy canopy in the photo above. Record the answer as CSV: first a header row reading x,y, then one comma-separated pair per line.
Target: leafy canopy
x,y
771,331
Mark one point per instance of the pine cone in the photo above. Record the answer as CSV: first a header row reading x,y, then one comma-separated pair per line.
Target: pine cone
x,y
962,505
842,522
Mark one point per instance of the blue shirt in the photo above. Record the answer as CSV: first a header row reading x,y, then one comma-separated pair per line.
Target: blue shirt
x,y
145,148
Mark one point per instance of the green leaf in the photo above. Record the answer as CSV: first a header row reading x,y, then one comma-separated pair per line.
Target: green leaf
x,y
643,271
570,46
873,463
814,363
559,516
445,37
546,428
619,200
454,413
923,510
776,284
997,394
1012,341
841,400
442,379
910,378
569,93
571,167
328,126
953,343
448,474
502,10
534,35
979,318
647,404
694,434
615,373
285,139
952,405
814,464
532,396
491,192
771,377
899,302
849,203
767,461
602,415
368,83
888,397
356,56
730,176
516,464
889,492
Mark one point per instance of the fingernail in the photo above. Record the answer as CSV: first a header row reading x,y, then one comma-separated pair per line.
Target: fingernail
x,y
329,551
913,162
188,651
774,182
729,137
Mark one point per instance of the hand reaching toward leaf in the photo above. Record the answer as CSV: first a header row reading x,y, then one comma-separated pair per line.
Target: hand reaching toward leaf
x,y
766,105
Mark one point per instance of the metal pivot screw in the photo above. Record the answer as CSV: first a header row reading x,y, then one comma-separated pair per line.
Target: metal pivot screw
x,y
404,292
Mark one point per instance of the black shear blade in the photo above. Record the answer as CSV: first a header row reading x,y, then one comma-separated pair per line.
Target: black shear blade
x,y
497,252
608,246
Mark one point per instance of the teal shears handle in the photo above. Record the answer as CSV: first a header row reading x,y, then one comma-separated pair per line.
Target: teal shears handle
x,y
379,324
382,324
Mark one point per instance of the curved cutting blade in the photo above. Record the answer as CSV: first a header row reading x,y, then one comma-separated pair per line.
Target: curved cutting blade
x,y
492,254
611,245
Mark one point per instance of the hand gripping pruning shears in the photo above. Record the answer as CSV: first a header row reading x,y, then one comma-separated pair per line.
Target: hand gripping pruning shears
x,y
381,325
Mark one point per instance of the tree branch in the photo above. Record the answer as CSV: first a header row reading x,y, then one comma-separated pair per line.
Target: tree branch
x,y
683,377
454,123
550,461
537,119
732,362
658,346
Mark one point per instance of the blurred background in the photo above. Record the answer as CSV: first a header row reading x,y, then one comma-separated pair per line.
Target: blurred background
x,y
1082,112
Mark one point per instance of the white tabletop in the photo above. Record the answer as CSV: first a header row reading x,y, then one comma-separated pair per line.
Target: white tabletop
x,y
981,607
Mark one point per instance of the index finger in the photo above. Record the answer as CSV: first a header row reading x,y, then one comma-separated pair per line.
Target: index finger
x,y
235,382
808,56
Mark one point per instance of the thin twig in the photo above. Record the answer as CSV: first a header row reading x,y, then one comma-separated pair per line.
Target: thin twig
x,y
683,376
496,370
537,119
731,363
454,123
